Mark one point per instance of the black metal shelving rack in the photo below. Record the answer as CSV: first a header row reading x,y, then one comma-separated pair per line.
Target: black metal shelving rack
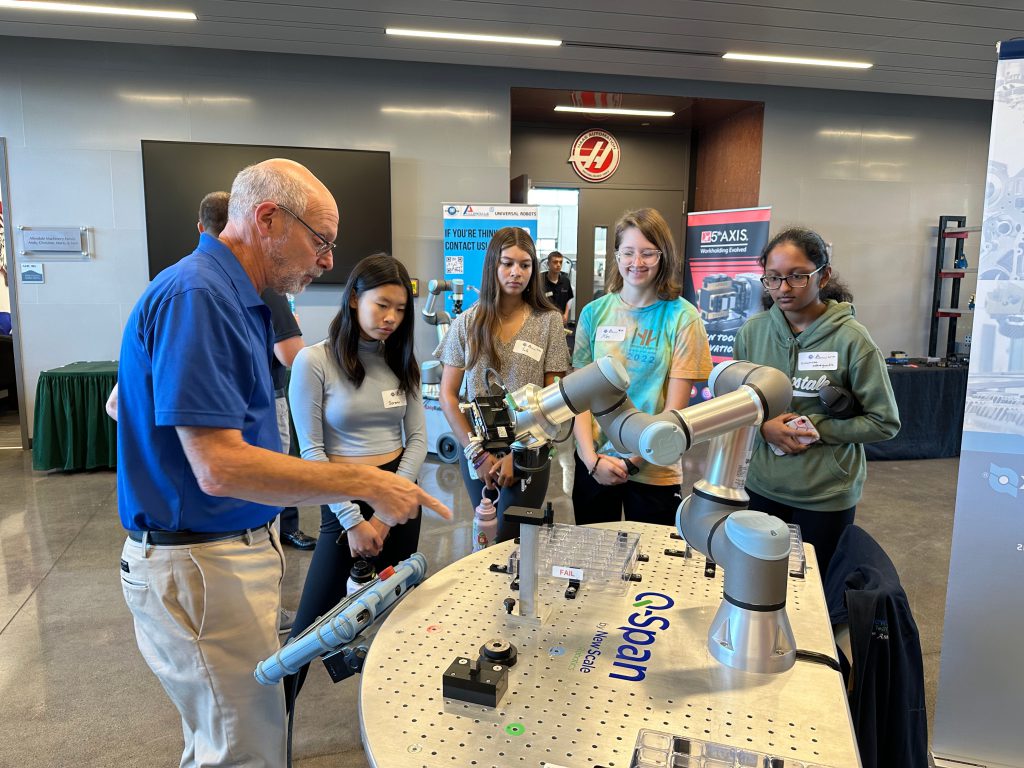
x,y
950,228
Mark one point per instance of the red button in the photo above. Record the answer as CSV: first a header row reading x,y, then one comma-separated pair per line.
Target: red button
x,y
387,573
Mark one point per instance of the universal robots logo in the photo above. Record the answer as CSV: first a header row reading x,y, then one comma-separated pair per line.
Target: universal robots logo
x,y
452,210
1004,480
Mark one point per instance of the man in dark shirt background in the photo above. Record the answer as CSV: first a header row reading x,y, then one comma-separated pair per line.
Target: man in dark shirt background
x,y
557,286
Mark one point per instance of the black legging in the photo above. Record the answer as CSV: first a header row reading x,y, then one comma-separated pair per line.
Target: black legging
x,y
332,560
822,529
513,496
640,502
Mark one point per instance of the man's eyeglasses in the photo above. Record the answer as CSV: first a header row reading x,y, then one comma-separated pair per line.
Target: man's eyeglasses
x,y
632,255
774,282
325,244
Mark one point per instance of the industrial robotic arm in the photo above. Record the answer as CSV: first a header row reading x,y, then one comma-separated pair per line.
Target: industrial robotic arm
x,y
751,630
430,371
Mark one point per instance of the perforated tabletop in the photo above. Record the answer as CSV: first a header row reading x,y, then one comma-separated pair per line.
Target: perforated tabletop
x,y
577,696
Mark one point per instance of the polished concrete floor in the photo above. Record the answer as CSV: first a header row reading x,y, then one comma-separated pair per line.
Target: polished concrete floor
x,y
75,691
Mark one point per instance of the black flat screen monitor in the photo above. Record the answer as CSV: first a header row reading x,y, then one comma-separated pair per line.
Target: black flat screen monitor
x,y
177,174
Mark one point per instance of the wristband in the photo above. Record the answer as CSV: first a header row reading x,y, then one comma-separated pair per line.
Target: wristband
x,y
480,459
593,469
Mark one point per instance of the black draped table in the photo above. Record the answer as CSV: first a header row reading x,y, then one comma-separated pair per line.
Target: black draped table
x,y
72,429
931,403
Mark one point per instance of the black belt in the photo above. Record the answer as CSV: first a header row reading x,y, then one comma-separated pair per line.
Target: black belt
x,y
179,538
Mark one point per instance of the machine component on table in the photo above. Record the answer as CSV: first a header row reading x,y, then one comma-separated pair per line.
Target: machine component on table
x,y
483,680
440,439
751,630
345,622
656,749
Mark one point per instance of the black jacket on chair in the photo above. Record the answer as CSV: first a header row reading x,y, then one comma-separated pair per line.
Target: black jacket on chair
x,y
863,590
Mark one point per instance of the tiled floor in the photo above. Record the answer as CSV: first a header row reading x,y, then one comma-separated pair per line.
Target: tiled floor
x,y
75,691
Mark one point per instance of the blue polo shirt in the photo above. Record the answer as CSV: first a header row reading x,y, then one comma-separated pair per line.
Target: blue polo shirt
x,y
196,352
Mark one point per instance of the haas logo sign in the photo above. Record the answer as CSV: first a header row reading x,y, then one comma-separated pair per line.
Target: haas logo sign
x,y
595,155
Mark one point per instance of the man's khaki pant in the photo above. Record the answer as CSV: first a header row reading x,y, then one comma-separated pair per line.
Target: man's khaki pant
x,y
205,614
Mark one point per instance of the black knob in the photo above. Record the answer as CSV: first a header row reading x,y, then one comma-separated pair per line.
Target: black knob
x,y
510,603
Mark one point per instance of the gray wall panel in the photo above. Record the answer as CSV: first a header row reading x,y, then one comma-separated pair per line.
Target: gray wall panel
x,y
74,113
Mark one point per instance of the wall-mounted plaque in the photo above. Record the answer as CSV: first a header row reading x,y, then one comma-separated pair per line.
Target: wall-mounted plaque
x,y
55,243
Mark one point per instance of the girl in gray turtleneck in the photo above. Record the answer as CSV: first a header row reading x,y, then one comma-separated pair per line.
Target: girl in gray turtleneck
x,y
352,397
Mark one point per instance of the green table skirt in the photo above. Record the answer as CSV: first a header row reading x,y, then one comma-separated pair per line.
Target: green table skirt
x,y
72,429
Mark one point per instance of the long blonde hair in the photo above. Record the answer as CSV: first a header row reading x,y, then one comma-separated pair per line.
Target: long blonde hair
x,y
486,324
653,226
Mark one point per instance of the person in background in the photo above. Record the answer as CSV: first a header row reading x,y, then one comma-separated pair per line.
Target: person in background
x,y
811,334
660,340
354,395
200,477
557,286
514,331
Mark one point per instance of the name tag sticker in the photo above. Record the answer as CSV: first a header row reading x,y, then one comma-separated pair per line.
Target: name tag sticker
x,y
393,398
611,333
818,361
532,351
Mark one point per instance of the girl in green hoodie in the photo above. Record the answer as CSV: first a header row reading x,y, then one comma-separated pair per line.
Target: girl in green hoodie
x,y
814,338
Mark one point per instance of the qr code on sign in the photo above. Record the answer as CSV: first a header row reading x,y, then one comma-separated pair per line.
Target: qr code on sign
x,y
453,265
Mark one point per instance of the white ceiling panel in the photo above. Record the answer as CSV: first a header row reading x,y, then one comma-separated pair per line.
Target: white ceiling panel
x,y
917,46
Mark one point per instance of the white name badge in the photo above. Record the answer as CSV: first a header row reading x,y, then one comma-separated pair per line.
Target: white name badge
x,y
611,333
393,398
818,361
530,350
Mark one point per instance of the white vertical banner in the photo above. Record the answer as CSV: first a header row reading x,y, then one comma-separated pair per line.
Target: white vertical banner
x,y
979,717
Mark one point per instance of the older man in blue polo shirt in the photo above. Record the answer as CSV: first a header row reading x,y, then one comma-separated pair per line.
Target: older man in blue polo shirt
x,y
199,473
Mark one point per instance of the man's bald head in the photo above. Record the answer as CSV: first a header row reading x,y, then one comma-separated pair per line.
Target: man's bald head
x,y
281,181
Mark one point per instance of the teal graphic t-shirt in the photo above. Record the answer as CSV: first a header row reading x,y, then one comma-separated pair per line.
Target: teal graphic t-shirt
x,y
665,340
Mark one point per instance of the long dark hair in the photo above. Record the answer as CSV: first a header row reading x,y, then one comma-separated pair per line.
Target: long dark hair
x,y
817,251
652,225
486,324
343,335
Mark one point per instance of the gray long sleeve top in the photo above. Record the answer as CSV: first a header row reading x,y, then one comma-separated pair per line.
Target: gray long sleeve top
x,y
334,417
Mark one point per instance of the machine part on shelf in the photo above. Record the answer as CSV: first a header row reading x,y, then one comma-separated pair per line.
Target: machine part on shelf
x,y
345,622
676,553
498,651
572,589
475,683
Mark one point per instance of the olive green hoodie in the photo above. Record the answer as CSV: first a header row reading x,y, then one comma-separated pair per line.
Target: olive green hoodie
x,y
836,350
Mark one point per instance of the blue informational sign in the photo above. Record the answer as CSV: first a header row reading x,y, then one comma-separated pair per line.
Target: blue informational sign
x,y
468,228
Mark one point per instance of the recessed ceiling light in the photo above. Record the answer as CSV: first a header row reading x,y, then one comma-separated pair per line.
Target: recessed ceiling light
x,y
105,10
876,135
468,114
799,60
472,38
614,111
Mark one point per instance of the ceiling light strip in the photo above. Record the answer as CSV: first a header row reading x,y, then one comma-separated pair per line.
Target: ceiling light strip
x,y
614,111
468,38
101,10
798,60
